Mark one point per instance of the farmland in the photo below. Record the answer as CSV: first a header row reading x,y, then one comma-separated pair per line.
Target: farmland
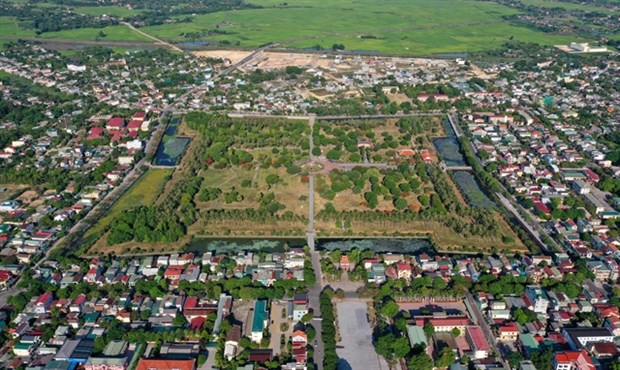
x,y
418,27
398,27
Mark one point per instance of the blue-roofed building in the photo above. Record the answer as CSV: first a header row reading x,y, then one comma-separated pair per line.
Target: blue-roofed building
x,y
259,322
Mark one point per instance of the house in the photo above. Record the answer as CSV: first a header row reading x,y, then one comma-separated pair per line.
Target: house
x,y
300,341
536,299
508,332
572,360
259,321
581,187
112,358
76,351
579,338
231,346
477,342
115,123
345,264
42,304
165,364
416,336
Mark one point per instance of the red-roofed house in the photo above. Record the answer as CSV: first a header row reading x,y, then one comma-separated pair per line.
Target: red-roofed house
x,y
134,126
115,123
140,116
508,332
477,341
572,360
426,156
406,153
173,273
95,133
42,304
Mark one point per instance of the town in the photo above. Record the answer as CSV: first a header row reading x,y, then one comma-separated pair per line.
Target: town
x,y
270,209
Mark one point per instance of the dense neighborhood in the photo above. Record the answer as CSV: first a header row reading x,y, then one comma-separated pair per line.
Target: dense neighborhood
x,y
534,142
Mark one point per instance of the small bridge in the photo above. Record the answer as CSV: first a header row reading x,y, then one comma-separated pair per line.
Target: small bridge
x,y
458,168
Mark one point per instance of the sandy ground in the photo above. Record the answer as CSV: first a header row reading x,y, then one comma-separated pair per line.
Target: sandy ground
x,y
232,55
276,60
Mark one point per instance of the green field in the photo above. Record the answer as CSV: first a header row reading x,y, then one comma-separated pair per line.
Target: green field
x,y
398,26
112,33
143,192
569,6
114,11
9,29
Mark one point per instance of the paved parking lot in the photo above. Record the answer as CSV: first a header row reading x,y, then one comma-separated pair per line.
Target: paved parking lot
x,y
358,351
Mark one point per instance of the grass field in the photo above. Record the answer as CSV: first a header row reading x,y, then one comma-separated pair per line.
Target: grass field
x,y
287,191
115,11
113,33
9,29
399,26
143,192
569,6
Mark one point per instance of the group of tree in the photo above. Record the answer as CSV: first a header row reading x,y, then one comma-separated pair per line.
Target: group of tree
x,y
328,329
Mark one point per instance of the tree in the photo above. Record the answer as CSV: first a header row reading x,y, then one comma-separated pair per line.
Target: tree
x,y
372,199
272,179
429,330
515,358
446,357
523,316
179,320
390,309
400,203
334,155
420,361
543,360
456,332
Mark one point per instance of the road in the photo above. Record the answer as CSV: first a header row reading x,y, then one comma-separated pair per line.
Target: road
x,y
530,229
334,118
485,327
313,302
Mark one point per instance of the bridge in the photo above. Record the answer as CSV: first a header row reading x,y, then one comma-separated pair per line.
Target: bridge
x,y
458,168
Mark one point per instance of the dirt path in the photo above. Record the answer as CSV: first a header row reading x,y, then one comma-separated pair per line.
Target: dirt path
x,y
173,47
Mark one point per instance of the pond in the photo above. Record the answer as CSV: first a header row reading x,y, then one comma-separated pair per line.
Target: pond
x,y
448,147
227,245
171,147
388,245
471,190
170,151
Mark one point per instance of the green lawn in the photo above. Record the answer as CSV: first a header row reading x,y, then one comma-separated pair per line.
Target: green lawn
x,y
569,6
9,29
115,11
143,192
112,33
399,26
